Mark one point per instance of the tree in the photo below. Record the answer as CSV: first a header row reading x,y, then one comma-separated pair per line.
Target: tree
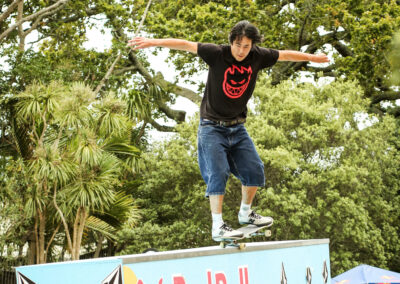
x,y
80,147
357,33
62,29
331,172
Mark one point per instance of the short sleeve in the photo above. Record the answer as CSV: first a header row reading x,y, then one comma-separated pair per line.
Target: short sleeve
x,y
269,56
209,52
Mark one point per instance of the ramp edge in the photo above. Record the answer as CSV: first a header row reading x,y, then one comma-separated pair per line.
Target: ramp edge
x,y
216,250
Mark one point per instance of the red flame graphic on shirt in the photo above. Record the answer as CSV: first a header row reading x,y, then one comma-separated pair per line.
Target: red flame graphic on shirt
x,y
236,81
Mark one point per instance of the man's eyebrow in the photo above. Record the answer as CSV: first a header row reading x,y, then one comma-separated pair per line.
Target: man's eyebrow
x,y
239,43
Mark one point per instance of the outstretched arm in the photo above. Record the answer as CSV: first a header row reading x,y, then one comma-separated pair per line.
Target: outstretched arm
x,y
172,43
292,55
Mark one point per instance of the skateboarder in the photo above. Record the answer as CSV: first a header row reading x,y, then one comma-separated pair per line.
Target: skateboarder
x,y
224,145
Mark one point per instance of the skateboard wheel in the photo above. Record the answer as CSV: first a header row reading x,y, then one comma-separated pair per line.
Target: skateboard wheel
x,y
242,246
268,233
222,244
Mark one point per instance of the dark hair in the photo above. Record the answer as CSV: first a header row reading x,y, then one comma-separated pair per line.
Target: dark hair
x,y
244,28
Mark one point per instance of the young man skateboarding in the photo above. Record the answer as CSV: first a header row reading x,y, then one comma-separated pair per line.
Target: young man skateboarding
x,y
224,146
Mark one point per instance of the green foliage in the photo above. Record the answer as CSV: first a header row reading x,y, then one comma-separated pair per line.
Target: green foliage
x,y
80,149
395,58
357,33
170,198
331,172
337,176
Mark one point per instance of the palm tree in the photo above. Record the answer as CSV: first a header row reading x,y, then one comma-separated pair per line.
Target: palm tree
x,y
80,149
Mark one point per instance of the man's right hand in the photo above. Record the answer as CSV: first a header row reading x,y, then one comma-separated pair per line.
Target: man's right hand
x,y
140,43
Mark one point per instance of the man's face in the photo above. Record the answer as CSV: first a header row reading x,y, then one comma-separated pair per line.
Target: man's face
x,y
241,48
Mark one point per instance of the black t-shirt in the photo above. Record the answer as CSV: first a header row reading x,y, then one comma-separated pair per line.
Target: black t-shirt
x,y
231,83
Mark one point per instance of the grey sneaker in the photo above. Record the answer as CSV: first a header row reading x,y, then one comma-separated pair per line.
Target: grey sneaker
x,y
255,219
225,232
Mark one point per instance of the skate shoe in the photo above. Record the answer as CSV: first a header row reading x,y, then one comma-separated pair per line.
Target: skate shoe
x,y
255,219
225,232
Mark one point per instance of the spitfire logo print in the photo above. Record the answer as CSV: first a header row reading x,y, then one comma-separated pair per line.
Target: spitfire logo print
x,y
236,81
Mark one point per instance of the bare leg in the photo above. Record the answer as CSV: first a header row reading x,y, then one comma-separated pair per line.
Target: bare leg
x,y
216,202
248,193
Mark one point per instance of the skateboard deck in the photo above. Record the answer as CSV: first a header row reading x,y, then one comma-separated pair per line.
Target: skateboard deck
x,y
248,232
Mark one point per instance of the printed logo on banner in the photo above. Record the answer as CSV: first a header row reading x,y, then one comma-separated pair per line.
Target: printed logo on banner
x,y
218,277
114,277
22,279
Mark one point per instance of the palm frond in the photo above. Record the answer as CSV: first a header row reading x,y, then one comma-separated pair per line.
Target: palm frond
x,y
122,211
120,147
139,105
98,225
112,120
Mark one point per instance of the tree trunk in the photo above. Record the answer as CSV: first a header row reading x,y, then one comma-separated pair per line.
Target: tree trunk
x,y
31,250
99,245
66,228
79,226
75,234
36,239
42,229
20,28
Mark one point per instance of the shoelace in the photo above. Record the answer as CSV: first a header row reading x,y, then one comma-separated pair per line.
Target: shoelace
x,y
226,228
254,215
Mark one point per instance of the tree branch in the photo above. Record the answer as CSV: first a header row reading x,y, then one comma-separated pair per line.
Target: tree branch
x,y
111,69
108,74
52,238
49,10
389,95
88,12
177,115
301,34
342,49
327,71
9,10
67,234
162,128
20,28
124,70
39,19
177,90
395,111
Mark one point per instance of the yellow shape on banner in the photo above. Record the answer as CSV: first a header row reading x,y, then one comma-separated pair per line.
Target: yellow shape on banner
x,y
129,276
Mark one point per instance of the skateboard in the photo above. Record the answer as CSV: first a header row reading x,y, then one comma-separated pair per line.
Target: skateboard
x,y
248,232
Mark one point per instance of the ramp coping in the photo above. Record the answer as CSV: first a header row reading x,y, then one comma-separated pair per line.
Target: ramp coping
x,y
216,250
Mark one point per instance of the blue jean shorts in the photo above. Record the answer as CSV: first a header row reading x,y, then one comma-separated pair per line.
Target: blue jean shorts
x,y
225,150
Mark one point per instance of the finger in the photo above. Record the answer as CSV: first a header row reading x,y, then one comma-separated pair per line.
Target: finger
x,y
136,39
131,44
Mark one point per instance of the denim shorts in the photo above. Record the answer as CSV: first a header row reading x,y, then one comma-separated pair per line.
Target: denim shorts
x,y
225,150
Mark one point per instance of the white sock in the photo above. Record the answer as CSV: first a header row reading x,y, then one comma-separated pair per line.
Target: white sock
x,y
244,209
216,221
